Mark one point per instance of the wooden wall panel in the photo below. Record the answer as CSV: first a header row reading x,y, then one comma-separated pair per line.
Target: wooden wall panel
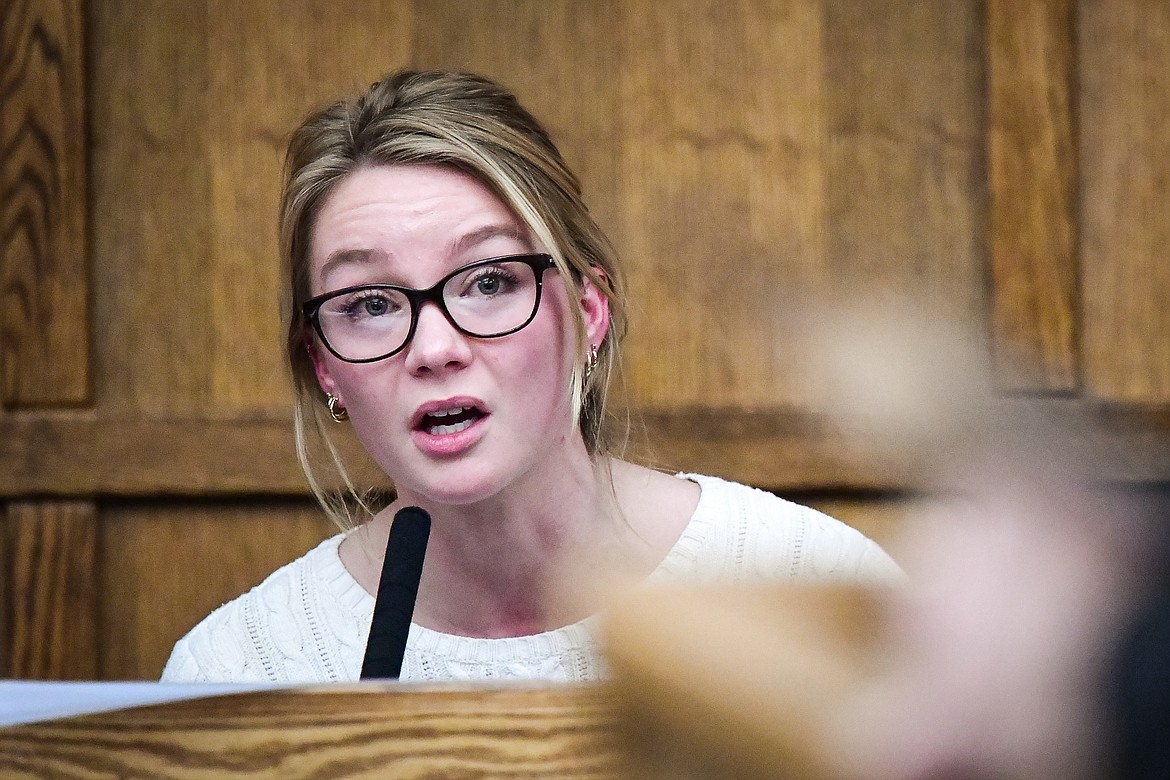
x,y
560,57
192,111
1125,164
270,64
164,567
905,155
48,564
1032,178
44,292
722,197
151,205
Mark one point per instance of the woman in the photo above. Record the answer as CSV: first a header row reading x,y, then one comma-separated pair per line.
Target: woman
x,y
454,301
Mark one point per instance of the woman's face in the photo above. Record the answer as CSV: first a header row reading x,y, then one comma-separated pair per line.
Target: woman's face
x,y
451,418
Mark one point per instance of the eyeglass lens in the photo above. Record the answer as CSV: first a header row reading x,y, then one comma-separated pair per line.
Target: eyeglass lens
x,y
484,300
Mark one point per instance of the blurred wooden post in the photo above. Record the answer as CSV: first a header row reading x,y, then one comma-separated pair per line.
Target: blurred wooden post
x,y
1032,172
1124,142
740,681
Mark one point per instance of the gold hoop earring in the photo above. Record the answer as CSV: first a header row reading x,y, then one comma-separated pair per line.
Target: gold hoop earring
x,y
590,363
336,410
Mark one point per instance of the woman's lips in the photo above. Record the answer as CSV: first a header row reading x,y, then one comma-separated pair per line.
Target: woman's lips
x,y
449,426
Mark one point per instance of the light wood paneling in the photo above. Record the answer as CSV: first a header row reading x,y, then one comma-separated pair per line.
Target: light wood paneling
x,y
352,731
1032,174
192,111
722,197
50,616
1125,164
269,65
151,205
44,282
904,87
164,567
560,57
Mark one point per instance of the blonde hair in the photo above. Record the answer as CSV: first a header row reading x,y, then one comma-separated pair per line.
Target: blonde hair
x,y
472,124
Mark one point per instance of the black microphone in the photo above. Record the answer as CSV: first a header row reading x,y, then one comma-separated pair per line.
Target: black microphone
x,y
397,592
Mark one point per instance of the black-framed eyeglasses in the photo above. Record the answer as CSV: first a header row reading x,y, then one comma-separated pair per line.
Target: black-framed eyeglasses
x,y
485,299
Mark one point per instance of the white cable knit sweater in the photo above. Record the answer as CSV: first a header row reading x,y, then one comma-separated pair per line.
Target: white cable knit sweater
x,y
308,621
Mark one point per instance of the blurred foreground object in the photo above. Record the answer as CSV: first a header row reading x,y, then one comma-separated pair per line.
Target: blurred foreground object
x,y
738,682
1024,584
1030,644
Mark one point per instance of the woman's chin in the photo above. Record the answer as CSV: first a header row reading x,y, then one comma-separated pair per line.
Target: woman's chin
x,y
454,487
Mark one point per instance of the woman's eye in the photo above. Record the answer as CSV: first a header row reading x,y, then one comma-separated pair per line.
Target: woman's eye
x,y
489,282
487,285
367,306
375,307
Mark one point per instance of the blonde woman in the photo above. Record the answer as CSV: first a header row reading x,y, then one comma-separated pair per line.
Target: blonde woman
x,y
452,299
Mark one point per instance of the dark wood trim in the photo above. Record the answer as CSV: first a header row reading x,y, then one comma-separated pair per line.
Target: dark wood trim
x,y
78,454
82,454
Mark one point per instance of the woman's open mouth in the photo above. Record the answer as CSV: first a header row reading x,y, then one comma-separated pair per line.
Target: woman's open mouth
x,y
442,422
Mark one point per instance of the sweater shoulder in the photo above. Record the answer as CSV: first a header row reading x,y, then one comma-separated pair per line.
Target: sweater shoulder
x,y
771,537
279,631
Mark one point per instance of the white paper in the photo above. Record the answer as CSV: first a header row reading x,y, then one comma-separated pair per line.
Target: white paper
x,y
32,701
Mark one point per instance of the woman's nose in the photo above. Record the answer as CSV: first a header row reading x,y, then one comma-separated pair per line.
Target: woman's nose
x,y
436,344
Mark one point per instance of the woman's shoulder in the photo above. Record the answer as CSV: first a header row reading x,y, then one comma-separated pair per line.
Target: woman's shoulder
x,y
773,536
246,639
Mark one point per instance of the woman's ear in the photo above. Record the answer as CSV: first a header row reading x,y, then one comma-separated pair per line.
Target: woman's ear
x,y
594,309
324,378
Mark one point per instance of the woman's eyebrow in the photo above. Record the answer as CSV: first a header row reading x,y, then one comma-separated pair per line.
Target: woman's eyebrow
x,y
486,233
349,256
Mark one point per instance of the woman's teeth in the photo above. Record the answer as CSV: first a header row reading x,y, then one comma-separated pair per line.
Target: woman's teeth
x,y
459,410
461,418
442,430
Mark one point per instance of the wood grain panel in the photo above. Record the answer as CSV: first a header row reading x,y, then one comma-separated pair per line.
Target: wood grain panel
x,y
165,566
560,58
905,161
722,198
1032,171
151,205
44,273
50,604
776,449
7,601
345,731
1125,164
268,68
82,454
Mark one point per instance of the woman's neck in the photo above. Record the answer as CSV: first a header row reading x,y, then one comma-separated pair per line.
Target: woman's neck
x,y
498,567
527,562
